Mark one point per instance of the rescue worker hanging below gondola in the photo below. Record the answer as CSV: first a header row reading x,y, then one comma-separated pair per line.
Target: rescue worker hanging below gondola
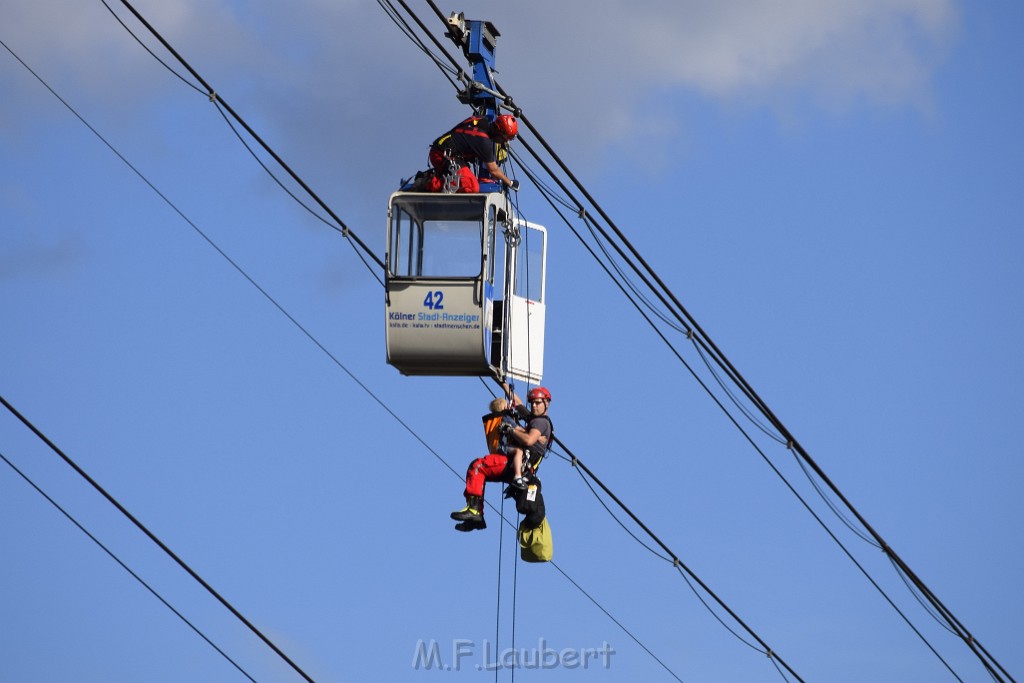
x,y
475,141
535,439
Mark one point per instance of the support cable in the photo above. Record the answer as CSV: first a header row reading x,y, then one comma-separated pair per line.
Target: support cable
x,y
152,54
676,562
548,193
502,99
657,287
155,539
913,591
614,620
343,230
450,73
740,405
215,97
423,27
592,227
835,508
576,462
125,567
618,521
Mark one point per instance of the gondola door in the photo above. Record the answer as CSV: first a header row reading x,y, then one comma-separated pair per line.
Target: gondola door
x,y
527,254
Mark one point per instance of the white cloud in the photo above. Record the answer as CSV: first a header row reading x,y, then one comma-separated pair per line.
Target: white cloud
x,y
342,83
614,60
811,43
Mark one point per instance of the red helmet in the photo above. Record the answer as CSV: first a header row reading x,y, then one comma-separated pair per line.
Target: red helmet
x,y
539,392
505,126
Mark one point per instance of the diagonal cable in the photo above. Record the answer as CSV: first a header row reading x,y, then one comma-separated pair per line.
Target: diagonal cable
x,y
215,97
153,537
125,567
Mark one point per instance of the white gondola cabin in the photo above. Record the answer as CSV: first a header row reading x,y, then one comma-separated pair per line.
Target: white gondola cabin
x,y
464,287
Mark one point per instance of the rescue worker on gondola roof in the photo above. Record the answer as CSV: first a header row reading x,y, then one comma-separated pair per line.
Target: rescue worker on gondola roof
x,y
475,140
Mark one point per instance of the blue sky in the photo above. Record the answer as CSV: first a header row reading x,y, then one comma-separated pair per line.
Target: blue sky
x,y
833,189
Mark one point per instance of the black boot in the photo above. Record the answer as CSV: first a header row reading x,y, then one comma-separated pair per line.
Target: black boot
x,y
471,526
473,512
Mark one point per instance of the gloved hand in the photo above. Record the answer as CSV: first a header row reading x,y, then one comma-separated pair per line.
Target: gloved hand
x,y
506,428
514,185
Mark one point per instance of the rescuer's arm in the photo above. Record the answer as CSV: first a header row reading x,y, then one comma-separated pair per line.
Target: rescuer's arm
x,y
495,171
528,438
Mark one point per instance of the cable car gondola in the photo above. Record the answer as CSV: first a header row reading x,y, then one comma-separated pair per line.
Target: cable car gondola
x,y
464,287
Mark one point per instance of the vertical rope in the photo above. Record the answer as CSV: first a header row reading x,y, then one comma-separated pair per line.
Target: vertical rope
x,y
515,583
497,609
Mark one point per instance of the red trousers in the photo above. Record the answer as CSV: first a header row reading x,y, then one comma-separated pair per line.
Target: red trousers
x,y
491,467
468,182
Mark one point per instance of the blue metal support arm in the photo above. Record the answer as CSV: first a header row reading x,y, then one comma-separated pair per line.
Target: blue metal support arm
x,y
477,40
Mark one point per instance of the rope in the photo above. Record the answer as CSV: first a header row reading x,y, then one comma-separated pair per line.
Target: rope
x,y
515,584
497,610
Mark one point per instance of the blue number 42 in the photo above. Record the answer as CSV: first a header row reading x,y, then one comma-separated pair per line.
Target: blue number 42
x,y
434,299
